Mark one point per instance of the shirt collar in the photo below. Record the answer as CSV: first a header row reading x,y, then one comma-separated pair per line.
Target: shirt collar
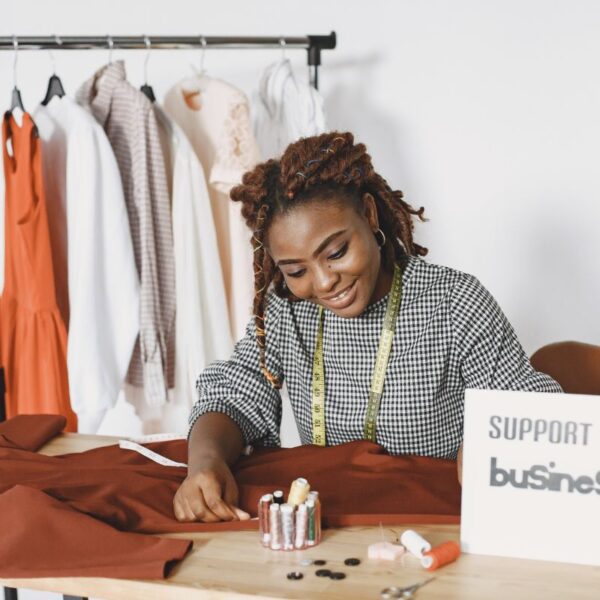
x,y
97,92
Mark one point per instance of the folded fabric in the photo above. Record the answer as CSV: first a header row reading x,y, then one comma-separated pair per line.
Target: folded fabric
x,y
43,537
30,432
359,483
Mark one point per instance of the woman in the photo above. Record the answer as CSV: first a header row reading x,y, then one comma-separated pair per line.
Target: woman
x,y
335,242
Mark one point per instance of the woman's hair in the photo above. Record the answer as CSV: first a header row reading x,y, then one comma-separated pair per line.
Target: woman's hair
x,y
324,167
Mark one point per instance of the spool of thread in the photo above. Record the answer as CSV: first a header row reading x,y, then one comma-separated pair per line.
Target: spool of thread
x,y
263,518
278,497
440,555
298,491
287,526
301,527
414,543
310,508
314,495
275,527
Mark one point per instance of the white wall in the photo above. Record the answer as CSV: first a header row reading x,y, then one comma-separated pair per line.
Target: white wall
x,y
486,113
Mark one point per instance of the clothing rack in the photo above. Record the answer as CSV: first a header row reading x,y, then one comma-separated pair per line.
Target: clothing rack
x,y
312,43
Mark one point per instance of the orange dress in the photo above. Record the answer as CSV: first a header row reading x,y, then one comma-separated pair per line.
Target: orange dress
x,y
33,337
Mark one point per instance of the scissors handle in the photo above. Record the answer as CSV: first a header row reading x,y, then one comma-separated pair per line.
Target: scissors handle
x,y
409,592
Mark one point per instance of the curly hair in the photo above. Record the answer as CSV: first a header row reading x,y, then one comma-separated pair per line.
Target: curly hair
x,y
322,167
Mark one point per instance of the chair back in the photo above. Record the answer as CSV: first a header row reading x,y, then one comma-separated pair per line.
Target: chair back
x,y
574,365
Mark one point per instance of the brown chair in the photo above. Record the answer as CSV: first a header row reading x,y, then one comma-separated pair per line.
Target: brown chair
x,y
575,365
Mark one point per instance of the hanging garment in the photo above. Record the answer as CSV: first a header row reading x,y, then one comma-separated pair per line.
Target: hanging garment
x,y
91,229
201,316
202,320
214,115
33,337
128,118
285,109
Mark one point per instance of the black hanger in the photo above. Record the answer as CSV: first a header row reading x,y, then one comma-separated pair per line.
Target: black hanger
x,y
147,89
55,88
149,92
16,101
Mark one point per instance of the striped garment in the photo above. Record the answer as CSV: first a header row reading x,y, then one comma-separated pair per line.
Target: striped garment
x,y
128,118
450,335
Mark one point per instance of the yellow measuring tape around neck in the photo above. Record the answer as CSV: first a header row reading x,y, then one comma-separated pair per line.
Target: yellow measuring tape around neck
x,y
378,377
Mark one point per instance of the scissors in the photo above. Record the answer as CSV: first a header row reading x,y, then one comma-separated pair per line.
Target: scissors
x,y
403,592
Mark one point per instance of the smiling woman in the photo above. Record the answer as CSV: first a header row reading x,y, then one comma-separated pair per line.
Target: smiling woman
x,y
342,272
373,342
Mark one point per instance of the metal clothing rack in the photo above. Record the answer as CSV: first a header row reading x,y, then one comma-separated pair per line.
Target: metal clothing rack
x,y
312,43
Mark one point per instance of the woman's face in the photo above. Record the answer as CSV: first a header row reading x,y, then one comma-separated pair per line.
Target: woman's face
x,y
328,254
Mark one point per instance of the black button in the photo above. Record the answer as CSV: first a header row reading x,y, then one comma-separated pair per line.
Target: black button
x,y
338,575
323,573
319,563
295,575
352,562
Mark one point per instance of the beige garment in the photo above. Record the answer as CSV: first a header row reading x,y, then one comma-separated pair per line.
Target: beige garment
x,y
215,117
128,118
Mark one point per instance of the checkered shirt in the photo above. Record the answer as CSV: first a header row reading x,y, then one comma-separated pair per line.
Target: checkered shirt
x,y
450,335
129,120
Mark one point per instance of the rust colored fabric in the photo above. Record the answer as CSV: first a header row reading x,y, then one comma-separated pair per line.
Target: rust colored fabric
x,y
44,537
70,515
30,432
359,483
33,337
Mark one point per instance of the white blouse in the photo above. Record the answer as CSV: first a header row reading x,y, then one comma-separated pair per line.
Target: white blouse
x,y
91,227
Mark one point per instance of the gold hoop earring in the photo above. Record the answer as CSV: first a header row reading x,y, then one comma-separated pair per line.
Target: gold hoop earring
x,y
377,239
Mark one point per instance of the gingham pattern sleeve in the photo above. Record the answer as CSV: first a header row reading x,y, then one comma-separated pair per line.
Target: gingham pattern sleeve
x,y
489,353
237,387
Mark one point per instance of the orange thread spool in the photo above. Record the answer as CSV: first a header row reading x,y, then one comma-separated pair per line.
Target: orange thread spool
x,y
440,555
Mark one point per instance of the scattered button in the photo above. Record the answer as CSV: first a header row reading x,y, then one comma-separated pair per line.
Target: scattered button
x,y
338,575
319,563
295,575
352,562
306,562
323,573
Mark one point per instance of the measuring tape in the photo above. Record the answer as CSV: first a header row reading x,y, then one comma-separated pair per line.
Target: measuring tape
x,y
154,456
381,362
318,388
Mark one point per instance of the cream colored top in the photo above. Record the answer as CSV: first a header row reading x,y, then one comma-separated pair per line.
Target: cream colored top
x,y
215,117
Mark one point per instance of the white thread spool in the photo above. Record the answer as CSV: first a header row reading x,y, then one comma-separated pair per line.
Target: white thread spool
x,y
301,527
275,527
414,543
287,525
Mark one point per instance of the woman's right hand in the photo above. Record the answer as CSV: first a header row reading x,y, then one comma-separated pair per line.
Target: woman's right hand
x,y
209,494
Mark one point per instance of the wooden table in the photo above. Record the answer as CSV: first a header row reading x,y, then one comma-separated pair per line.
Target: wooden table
x,y
234,565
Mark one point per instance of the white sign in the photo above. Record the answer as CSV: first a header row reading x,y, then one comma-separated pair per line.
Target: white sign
x,y
531,476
